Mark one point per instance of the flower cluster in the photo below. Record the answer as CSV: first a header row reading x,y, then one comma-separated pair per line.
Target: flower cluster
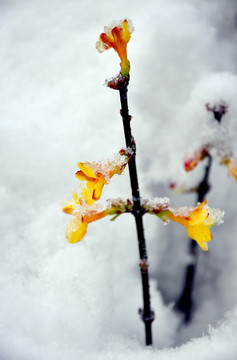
x,y
85,210
197,221
116,37
93,175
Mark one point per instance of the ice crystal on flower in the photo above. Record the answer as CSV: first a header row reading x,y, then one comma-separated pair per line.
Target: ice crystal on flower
x,y
105,167
157,204
215,216
97,174
101,46
82,215
116,37
197,222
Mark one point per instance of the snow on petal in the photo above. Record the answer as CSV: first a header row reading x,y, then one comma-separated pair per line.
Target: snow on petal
x,y
82,215
116,37
198,222
97,174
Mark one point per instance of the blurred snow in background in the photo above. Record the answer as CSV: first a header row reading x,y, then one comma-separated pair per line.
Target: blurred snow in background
x,y
62,301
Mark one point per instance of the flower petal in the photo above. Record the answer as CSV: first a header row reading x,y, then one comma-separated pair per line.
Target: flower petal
x,y
76,198
82,177
75,230
200,214
117,34
98,190
68,207
179,219
201,234
87,193
94,215
89,173
126,32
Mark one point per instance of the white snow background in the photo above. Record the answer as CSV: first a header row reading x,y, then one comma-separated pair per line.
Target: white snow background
x,y
61,301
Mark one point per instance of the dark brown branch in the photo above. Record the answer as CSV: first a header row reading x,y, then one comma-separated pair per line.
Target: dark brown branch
x,y
185,301
146,314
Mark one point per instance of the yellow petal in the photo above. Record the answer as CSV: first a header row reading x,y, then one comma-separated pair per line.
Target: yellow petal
x,y
126,32
203,245
179,219
199,214
68,208
98,190
201,234
76,198
87,194
86,170
82,177
94,215
75,230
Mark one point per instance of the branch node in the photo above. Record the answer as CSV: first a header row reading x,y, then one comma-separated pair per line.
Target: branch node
x,y
144,266
145,318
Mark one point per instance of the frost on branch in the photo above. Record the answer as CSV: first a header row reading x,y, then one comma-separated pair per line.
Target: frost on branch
x,y
196,220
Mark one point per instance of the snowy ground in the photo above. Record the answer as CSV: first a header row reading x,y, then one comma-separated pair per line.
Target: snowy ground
x,y
61,301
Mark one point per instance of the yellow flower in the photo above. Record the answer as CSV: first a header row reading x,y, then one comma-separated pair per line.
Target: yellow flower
x,y
117,37
94,182
198,222
82,216
97,174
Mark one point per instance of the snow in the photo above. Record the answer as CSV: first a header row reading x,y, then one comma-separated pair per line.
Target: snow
x,y
63,301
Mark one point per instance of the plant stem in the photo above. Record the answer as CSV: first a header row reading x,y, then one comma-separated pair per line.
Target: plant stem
x,y
185,301
146,313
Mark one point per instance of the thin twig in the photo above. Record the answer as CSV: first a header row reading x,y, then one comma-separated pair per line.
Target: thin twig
x,y
146,314
185,301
